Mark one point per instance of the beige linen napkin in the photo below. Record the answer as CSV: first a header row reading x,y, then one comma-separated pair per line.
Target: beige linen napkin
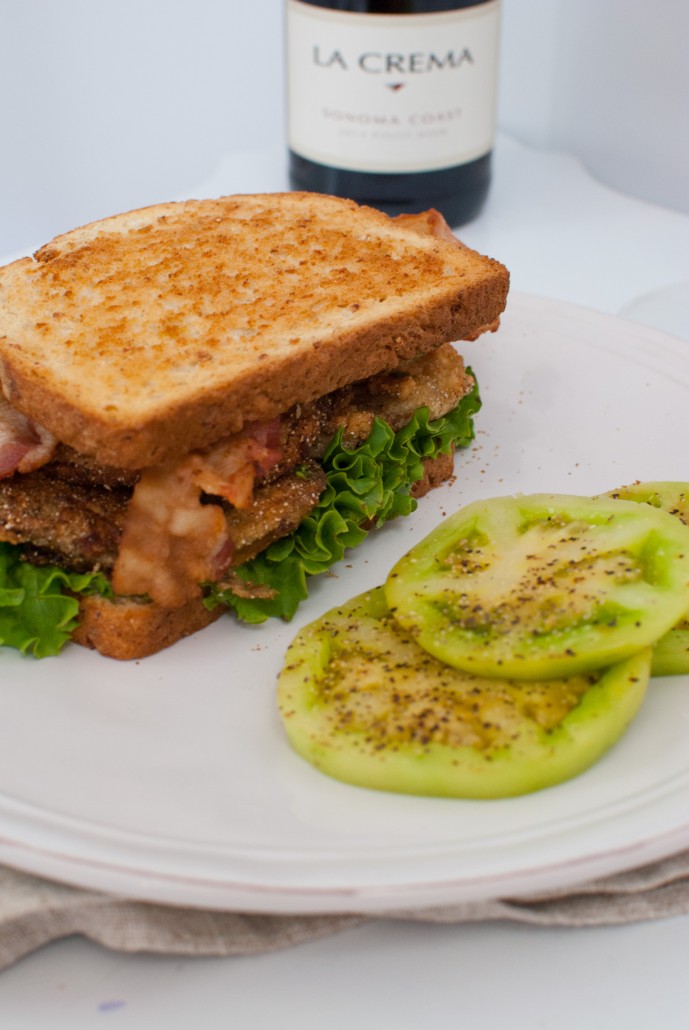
x,y
34,912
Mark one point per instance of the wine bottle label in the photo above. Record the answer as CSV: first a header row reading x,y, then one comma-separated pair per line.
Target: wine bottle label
x,y
391,93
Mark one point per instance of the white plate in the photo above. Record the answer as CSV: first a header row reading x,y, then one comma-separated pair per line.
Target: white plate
x,y
169,779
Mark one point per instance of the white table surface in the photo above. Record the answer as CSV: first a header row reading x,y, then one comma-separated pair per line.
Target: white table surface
x,y
562,235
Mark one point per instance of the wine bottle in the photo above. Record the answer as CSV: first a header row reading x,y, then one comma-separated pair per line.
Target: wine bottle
x,y
392,102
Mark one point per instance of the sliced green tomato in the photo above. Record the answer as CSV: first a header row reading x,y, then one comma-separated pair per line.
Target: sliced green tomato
x,y
543,586
671,653
365,704
672,497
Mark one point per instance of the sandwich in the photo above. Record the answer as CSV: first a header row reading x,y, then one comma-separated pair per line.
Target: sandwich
x,y
206,403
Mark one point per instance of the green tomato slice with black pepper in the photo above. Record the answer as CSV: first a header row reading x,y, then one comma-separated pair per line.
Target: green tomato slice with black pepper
x,y
671,652
365,704
542,586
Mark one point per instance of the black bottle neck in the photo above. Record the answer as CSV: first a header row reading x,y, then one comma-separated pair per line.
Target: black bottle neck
x,y
394,6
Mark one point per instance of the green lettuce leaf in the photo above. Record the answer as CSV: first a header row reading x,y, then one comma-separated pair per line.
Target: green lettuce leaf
x,y
366,487
38,611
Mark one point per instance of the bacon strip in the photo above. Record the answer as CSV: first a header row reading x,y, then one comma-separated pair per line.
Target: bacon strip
x,y
229,468
171,542
429,223
24,446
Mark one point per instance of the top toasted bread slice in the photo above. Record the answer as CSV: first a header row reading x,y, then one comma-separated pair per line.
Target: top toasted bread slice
x,y
142,336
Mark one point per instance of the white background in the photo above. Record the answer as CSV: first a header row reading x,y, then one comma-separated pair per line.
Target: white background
x,y
110,104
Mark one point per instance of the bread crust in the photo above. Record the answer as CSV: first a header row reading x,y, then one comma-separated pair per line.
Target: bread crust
x,y
128,629
143,336
435,471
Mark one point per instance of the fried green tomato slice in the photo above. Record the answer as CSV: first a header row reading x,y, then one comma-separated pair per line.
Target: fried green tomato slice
x,y
542,586
365,704
671,652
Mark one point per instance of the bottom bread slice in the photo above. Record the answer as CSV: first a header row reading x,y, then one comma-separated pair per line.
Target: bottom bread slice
x,y
135,629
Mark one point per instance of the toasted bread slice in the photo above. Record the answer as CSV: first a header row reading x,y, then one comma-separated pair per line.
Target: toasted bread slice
x,y
127,629
140,337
